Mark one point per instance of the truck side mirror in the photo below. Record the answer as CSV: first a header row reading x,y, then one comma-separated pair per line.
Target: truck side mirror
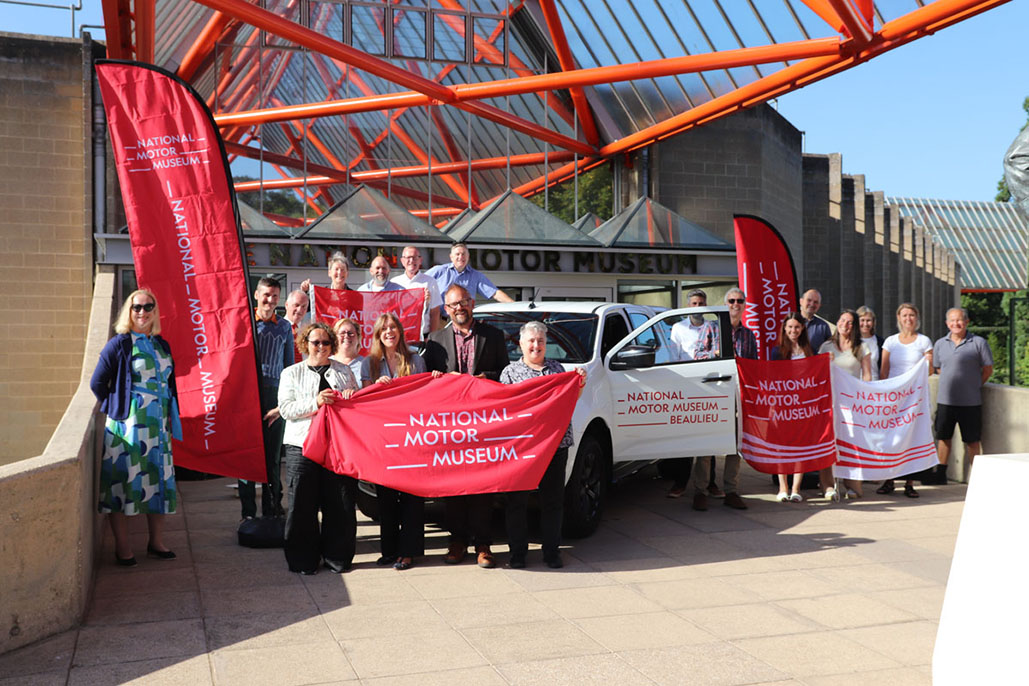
x,y
633,357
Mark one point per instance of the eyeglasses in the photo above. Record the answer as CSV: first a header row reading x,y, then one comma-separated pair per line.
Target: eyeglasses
x,y
347,334
460,303
149,307
410,257
736,301
321,342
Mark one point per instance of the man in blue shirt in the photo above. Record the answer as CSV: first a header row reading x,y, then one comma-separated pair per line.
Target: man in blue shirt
x,y
818,330
274,353
471,279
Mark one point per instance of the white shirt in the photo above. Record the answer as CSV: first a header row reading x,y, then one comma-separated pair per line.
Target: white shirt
x,y
872,346
905,356
686,335
422,280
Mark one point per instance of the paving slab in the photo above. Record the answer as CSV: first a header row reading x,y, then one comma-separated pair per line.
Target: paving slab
x,y
812,593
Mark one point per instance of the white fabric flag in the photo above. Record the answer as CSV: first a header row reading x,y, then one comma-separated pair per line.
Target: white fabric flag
x,y
882,427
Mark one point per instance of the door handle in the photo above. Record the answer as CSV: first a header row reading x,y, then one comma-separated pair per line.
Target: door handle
x,y
712,379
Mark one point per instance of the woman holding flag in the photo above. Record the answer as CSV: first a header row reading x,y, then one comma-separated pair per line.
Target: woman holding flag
x,y
793,345
901,352
848,353
401,515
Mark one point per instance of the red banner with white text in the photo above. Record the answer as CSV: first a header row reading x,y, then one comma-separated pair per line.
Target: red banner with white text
x,y
364,307
455,435
786,408
765,271
187,249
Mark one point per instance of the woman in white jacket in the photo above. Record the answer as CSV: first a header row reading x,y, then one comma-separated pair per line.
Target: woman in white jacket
x,y
303,388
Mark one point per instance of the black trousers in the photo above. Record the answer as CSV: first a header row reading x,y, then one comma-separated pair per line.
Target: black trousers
x,y
311,488
468,519
551,495
271,492
401,523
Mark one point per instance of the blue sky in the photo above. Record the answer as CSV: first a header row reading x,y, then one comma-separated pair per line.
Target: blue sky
x,y
930,119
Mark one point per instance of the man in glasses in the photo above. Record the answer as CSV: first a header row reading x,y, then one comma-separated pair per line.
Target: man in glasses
x,y
744,344
274,353
467,347
411,259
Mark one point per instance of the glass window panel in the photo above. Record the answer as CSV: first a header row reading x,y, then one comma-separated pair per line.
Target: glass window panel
x,y
327,19
492,31
366,32
448,37
409,33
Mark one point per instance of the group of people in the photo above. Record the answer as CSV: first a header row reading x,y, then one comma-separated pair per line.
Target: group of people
x,y
303,366
307,364
962,359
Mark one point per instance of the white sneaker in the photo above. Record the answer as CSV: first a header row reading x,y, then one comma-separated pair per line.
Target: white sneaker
x,y
832,494
782,497
796,498
852,494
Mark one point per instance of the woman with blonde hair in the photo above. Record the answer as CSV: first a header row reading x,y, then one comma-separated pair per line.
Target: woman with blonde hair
x,y
901,352
401,515
849,354
873,341
135,384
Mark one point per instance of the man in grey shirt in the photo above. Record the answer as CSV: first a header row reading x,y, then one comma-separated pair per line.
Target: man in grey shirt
x,y
964,362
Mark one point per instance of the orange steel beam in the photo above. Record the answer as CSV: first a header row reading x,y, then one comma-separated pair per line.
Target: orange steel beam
x,y
927,19
824,10
555,177
203,45
567,62
453,151
341,175
859,29
366,150
144,21
455,185
527,159
530,84
296,146
118,27
293,32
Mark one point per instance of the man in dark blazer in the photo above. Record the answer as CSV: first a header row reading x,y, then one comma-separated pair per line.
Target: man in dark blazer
x,y
467,347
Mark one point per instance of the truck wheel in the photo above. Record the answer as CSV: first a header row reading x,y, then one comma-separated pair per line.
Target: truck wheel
x,y
586,489
367,503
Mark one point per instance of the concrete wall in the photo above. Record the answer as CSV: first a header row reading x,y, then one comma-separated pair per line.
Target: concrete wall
x,y
46,245
50,531
748,163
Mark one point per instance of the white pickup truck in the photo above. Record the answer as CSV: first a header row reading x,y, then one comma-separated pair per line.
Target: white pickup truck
x,y
645,399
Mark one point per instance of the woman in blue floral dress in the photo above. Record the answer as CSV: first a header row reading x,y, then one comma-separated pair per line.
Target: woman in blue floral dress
x,y
135,385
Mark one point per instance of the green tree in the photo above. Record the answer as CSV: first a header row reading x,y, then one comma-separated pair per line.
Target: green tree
x,y
596,195
281,202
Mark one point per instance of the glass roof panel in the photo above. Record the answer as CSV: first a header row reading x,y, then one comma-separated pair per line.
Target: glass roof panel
x,y
647,224
587,222
256,224
366,214
513,219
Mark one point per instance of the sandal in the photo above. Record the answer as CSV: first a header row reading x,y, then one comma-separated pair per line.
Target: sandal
x,y
796,498
909,491
886,488
783,496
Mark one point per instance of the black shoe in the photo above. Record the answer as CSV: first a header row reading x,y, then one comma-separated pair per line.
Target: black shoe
x,y
516,562
125,561
403,563
554,561
910,491
159,554
386,561
337,568
700,501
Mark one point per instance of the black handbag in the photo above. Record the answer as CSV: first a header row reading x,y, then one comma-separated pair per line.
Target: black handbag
x,y
262,532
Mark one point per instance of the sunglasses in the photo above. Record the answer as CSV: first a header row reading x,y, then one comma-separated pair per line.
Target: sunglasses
x,y
347,334
736,301
459,303
321,342
149,307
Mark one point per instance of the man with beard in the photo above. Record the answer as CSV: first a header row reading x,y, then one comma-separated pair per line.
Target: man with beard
x,y
467,347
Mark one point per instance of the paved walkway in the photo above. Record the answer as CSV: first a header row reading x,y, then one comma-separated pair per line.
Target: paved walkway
x,y
779,594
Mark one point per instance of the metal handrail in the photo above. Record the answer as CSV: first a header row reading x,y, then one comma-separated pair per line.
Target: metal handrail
x,y
71,7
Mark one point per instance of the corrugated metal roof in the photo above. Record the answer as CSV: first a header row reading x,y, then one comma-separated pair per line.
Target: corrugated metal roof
x,y
988,239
